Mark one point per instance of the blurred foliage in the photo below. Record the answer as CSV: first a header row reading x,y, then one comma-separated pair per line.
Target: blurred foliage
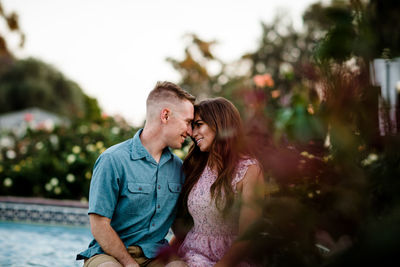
x,y
311,116
12,25
57,163
10,20
194,68
33,83
364,30
381,16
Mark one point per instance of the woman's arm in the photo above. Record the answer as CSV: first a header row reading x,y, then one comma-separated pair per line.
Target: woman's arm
x,y
181,226
252,191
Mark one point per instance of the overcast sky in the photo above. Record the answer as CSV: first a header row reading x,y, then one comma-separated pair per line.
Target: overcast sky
x,y
116,49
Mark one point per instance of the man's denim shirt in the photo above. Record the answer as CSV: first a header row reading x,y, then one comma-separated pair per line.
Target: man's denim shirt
x,y
136,193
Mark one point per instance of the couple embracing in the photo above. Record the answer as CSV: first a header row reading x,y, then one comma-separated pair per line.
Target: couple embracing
x,y
139,189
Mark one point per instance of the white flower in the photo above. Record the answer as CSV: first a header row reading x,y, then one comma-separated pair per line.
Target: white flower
x,y
6,141
11,154
54,181
7,182
285,68
90,147
71,158
370,159
70,178
39,145
373,157
46,125
54,140
48,187
351,64
76,149
115,130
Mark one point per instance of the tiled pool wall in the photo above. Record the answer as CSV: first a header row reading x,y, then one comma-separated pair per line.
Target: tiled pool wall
x,y
44,212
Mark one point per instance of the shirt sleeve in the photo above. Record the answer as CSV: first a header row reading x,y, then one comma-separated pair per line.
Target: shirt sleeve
x,y
104,187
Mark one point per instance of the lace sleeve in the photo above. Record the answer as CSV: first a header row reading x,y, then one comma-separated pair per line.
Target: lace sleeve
x,y
241,171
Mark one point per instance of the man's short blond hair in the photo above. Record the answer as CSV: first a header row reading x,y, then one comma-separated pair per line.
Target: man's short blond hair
x,y
166,92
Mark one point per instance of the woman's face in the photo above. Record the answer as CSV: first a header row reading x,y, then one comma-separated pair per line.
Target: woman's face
x,y
203,134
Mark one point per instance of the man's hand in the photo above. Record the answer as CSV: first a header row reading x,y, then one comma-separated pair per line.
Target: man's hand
x,y
109,240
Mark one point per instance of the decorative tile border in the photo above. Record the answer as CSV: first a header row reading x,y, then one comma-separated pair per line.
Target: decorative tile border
x,y
42,213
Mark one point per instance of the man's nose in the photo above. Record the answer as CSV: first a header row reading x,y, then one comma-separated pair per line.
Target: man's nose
x,y
189,130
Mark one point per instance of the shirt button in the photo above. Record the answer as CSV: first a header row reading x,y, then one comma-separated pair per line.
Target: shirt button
x,y
159,187
153,224
158,206
140,189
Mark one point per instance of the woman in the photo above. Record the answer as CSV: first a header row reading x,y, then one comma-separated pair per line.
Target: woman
x,y
219,172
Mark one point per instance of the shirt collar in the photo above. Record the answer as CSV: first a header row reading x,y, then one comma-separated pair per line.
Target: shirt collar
x,y
166,156
139,151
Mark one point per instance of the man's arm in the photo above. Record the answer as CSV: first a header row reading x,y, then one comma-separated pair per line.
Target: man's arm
x,y
109,240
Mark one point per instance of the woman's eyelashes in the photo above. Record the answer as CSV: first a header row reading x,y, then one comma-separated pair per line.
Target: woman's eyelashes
x,y
197,124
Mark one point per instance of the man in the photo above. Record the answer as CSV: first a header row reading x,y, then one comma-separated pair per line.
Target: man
x,y
136,184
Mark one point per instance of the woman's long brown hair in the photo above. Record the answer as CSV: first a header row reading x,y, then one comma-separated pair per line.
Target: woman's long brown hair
x,y
224,154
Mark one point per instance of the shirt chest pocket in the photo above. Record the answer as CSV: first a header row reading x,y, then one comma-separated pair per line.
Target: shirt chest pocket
x,y
174,187
140,196
174,191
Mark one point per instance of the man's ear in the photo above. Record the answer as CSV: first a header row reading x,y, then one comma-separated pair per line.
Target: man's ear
x,y
165,115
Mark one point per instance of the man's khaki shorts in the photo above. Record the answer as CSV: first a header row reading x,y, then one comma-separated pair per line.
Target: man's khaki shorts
x,y
136,253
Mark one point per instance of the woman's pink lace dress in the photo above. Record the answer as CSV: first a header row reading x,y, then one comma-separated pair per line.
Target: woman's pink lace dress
x,y
212,235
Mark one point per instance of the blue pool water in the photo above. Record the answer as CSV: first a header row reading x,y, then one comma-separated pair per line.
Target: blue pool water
x,y
23,245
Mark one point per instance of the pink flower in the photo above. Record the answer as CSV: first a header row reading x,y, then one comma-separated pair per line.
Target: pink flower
x,y
263,80
28,117
275,93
